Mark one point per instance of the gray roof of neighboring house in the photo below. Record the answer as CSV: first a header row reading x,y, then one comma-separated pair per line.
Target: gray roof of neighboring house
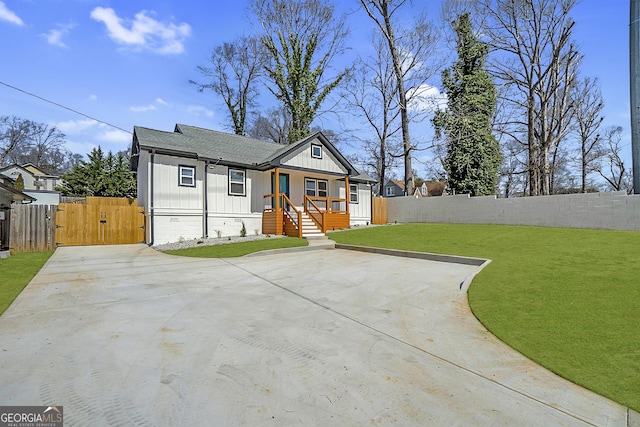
x,y
229,149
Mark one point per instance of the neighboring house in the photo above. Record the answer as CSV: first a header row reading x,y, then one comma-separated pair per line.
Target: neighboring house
x,y
393,188
8,195
37,183
195,183
421,190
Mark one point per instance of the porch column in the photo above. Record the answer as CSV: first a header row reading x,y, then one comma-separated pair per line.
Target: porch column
x,y
346,192
277,189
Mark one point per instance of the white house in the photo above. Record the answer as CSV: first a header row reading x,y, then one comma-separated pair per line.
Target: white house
x,y
37,183
195,183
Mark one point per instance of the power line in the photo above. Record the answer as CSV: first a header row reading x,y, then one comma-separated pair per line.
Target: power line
x,y
63,106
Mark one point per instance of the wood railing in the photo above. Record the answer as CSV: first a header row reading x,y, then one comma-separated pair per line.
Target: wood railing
x,y
284,216
314,213
333,217
292,222
281,216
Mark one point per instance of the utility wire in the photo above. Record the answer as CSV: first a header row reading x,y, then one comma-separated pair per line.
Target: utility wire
x,y
63,106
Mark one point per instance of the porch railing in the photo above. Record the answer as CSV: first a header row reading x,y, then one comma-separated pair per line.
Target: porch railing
x,y
286,212
314,213
281,215
333,215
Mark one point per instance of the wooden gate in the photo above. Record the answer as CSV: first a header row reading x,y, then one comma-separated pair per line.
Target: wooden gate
x,y
378,210
99,223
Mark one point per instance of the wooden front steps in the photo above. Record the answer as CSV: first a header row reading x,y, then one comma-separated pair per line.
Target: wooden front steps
x,y
309,228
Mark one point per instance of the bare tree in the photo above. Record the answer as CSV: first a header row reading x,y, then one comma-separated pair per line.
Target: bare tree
x,y
410,48
24,141
302,39
45,143
588,103
612,167
513,172
371,95
14,137
235,68
539,59
274,126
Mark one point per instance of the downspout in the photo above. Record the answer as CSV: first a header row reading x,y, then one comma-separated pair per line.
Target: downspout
x,y
205,203
370,204
150,186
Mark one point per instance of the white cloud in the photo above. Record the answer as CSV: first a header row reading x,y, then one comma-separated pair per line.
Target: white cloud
x,y
144,32
426,98
76,127
115,136
142,108
9,16
198,110
54,36
93,97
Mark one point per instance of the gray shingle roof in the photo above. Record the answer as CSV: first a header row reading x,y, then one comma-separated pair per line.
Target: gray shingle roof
x,y
226,148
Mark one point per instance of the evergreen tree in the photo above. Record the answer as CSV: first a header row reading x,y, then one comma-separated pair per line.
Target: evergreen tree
x,y
105,176
19,183
473,155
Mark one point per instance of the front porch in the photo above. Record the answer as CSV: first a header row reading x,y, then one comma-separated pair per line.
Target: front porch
x,y
281,216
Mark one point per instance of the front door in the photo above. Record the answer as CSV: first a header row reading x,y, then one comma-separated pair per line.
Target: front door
x,y
284,184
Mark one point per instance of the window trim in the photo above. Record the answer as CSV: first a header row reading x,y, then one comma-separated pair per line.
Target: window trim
x,y
181,175
319,147
390,191
244,182
355,193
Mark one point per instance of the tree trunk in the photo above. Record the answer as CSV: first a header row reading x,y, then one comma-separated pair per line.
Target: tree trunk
x,y
402,95
531,144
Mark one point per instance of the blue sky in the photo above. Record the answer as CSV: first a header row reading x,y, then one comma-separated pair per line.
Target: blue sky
x,y
129,62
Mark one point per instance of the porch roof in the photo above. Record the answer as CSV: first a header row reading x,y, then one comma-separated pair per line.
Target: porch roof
x,y
230,149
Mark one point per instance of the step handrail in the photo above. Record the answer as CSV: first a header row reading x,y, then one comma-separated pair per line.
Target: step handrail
x,y
318,217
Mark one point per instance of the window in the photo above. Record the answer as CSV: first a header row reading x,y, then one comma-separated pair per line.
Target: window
x,y
390,191
316,151
353,193
187,176
237,182
316,187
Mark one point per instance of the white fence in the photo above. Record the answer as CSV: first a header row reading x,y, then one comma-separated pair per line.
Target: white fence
x,y
614,211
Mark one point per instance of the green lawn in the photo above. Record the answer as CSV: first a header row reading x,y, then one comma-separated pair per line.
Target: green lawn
x,y
239,249
567,298
16,272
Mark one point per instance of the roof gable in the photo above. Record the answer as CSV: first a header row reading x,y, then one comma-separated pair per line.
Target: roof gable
x,y
15,168
333,162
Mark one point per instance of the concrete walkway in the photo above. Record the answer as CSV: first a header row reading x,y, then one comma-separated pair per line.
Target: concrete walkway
x,y
124,335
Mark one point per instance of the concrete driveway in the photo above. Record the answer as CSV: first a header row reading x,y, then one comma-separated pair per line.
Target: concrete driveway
x,y
124,335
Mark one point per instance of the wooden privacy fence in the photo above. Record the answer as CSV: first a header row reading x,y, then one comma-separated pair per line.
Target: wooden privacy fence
x,y
101,221
32,228
94,221
378,210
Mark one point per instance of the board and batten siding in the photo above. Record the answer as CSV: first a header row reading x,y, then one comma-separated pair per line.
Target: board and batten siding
x,y
302,159
220,201
361,212
168,194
